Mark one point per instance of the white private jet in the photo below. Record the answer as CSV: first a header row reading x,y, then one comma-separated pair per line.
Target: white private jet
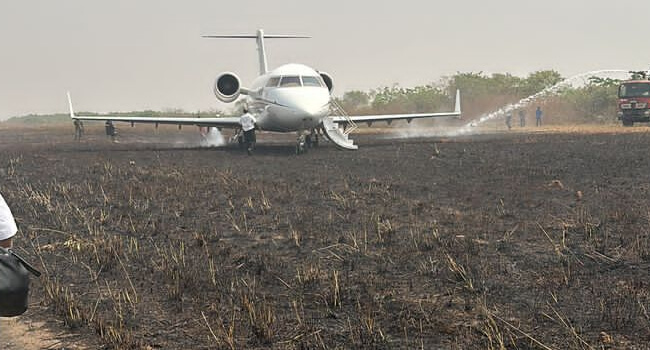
x,y
290,98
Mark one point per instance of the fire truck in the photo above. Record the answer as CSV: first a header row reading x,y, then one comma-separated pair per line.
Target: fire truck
x,y
634,101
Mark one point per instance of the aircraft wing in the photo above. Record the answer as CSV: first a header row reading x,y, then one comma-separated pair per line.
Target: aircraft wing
x,y
218,122
223,122
391,117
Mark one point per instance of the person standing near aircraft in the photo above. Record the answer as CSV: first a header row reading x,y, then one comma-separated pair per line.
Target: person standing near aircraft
x,y
522,118
538,116
247,122
509,119
8,226
78,129
107,127
110,130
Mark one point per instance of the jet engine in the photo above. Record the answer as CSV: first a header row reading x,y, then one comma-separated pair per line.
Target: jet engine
x,y
227,87
328,80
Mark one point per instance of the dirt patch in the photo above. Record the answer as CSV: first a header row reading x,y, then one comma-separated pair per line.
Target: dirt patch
x,y
21,333
516,240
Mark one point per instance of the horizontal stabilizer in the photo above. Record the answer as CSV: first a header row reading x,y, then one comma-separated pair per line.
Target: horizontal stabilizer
x,y
266,36
260,43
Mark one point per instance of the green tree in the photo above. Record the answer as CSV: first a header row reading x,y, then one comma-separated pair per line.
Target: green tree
x,y
538,81
354,101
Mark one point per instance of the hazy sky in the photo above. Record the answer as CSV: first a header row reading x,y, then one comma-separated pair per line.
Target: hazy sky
x,y
148,54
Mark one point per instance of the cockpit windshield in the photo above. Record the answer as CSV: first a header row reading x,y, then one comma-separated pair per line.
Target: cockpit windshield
x,y
634,90
290,81
295,81
311,81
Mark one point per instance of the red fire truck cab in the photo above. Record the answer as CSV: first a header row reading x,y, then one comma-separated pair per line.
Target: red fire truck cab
x,y
634,101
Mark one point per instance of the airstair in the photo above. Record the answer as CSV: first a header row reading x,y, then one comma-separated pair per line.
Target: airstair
x,y
339,136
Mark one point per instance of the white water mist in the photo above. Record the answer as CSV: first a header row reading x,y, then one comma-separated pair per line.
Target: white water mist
x,y
213,138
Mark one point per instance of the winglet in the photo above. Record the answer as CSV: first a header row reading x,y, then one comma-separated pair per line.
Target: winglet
x,y
70,106
457,106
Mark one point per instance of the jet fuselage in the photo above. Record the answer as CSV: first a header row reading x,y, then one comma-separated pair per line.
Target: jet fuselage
x,y
292,97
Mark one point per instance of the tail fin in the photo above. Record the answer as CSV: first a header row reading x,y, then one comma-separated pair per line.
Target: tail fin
x,y
261,51
70,106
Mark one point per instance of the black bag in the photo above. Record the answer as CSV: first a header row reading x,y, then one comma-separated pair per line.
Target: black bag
x,y
14,283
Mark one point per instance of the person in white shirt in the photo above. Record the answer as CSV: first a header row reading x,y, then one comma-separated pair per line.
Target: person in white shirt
x,y
247,122
7,224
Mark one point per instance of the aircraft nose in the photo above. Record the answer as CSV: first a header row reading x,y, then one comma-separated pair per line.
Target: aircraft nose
x,y
311,109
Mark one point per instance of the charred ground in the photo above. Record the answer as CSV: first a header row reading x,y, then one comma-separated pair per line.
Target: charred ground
x,y
526,240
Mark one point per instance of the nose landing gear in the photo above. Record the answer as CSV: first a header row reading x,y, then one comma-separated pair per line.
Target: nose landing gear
x,y
306,141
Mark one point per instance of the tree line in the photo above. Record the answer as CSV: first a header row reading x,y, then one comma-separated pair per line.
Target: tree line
x,y
481,93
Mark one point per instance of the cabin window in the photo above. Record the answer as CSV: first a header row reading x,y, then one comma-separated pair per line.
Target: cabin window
x,y
290,81
273,82
311,81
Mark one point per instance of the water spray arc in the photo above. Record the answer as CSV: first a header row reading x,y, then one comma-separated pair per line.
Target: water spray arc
x,y
578,80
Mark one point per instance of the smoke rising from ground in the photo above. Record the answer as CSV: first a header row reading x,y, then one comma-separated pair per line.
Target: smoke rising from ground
x,y
213,138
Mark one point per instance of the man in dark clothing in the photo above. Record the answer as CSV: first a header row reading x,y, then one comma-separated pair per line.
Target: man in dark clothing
x,y
538,116
247,122
522,118
107,127
110,130
78,129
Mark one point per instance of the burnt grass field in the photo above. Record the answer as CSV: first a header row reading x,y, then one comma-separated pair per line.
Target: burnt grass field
x,y
501,241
